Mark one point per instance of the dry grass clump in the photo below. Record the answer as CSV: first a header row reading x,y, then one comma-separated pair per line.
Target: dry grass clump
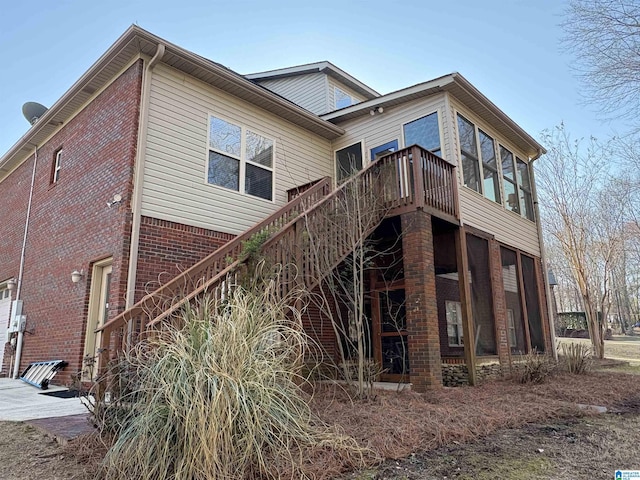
x,y
576,357
220,398
533,368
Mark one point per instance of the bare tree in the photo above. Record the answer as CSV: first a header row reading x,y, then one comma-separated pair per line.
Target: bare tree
x,y
583,208
604,35
357,208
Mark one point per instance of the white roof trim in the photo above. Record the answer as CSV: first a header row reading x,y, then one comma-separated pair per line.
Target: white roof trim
x,y
458,86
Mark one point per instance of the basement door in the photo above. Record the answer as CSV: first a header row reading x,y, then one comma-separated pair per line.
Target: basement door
x,y
98,314
391,346
5,309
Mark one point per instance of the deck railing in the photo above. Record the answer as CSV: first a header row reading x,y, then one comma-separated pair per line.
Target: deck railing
x,y
314,223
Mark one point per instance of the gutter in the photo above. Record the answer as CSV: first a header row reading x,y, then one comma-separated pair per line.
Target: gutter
x,y
543,255
20,339
138,175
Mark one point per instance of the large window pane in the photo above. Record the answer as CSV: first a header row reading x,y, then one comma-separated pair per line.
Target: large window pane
x,y
424,132
511,197
258,182
491,186
488,150
223,171
527,204
467,133
507,163
348,161
470,172
523,174
259,149
224,136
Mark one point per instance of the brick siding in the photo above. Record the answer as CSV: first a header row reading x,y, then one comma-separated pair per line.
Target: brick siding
x,y
71,225
421,306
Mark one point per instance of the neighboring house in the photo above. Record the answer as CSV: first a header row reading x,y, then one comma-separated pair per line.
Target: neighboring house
x,y
156,157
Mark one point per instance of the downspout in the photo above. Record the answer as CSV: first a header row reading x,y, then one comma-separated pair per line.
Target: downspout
x,y
543,256
16,364
138,175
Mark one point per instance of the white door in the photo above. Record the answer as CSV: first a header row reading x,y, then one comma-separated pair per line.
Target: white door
x,y
98,314
5,308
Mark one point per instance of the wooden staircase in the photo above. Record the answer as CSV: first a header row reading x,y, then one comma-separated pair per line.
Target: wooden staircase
x,y
316,221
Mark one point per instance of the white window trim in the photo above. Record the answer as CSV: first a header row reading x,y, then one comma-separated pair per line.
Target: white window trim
x,y
402,142
57,165
242,159
335,162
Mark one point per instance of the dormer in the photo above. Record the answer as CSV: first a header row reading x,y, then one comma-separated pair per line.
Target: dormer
x,y
319,87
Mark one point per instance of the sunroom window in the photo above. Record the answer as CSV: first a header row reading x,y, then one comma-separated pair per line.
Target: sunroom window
x,y
469,154
524,189
509,180
240,159
425,132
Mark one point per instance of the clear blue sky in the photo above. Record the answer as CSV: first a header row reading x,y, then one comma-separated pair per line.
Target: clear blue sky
x,y
508,49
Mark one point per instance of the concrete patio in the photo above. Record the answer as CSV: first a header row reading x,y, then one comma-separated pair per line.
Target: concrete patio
x,y
20,401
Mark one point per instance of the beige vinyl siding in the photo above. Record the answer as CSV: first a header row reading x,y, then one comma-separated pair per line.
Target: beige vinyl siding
x,y
478,211
308,91
174,185
382,128
331,99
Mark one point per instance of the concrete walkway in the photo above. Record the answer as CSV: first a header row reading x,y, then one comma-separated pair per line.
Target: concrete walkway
x,y
20,401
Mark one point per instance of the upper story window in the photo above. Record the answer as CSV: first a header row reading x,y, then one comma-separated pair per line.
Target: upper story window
x,y
240,159
509,180
524,189
425,132
476,160
483,171
469,154
342,98
56,166
348,161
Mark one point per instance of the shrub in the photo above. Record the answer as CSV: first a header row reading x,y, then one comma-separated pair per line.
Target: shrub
x,y
576,357
533,368
221,398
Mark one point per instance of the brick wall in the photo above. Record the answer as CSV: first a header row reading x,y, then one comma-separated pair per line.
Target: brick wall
x,y
168,248
421,305
71,225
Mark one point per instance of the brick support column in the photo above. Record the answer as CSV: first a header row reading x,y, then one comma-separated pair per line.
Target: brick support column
x,y
499,306
421,305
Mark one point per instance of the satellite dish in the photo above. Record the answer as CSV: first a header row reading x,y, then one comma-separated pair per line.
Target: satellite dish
x,y
32,111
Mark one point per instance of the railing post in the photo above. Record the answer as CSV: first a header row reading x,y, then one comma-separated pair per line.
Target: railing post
x,y
418,177
103,362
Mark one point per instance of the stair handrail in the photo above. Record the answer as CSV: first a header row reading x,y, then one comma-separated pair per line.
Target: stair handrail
x,y
209,284
144,304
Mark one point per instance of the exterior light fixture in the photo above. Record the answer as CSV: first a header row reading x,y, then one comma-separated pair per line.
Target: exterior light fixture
x,y
11,284
76,276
